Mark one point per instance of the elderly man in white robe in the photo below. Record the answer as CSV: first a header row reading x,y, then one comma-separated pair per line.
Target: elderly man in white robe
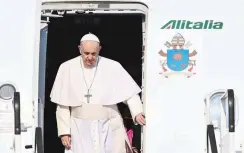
x,y
86,90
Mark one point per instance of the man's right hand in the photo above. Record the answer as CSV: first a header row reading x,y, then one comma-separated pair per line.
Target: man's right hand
x,y
66,141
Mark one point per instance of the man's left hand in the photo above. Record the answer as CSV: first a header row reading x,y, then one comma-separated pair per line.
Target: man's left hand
x,y
140,119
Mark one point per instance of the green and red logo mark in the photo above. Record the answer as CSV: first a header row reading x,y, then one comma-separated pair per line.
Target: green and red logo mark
x,y
184,24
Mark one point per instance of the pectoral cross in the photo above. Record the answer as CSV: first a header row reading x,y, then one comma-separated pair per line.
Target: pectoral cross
x,y
88,96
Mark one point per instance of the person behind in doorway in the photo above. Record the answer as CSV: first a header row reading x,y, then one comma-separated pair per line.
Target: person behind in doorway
x,y
86,90
130,134
129,127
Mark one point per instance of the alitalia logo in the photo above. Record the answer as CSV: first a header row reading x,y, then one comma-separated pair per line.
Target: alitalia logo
x,y
184,24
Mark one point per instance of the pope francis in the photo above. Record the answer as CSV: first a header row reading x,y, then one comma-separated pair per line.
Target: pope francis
x,y
86,90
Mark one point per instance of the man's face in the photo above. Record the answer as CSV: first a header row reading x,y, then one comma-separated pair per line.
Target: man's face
x,y
89,51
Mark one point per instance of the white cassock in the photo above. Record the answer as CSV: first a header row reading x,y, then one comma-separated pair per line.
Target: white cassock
x,y
97,126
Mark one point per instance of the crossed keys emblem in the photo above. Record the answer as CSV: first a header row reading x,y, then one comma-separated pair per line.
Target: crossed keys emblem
x,y
177,58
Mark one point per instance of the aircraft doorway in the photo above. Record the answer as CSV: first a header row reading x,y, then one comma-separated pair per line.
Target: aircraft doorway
x,y
121,39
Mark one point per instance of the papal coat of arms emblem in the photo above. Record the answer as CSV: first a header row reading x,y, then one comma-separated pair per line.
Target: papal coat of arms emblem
x,y
177,59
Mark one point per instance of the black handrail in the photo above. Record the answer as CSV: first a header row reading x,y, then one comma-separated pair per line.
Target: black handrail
x,y
16,104
231,107
212,139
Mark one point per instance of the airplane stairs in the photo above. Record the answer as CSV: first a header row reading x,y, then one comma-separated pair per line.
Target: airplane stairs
x,y
220,113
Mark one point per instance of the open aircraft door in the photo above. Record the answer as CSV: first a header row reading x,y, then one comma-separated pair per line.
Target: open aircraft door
x,y
221,111
42,65
39,135
12,127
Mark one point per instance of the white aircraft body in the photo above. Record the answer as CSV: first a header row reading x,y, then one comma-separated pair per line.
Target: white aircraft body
x,y
186,55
